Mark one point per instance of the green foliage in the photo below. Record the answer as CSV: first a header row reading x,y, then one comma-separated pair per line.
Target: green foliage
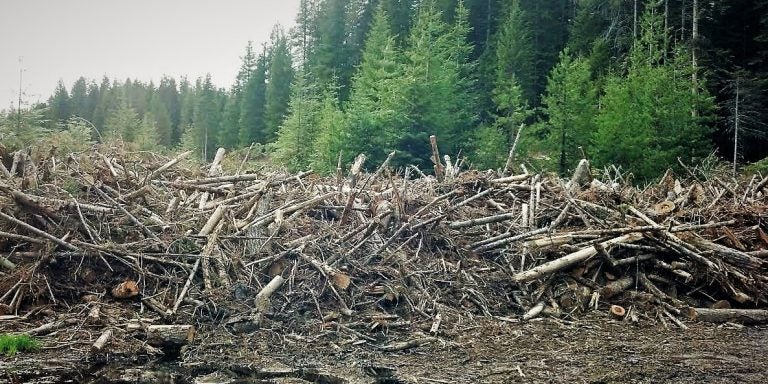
x,y
759,167
514,49
12,344
489,148
293,147
252,127
651,117
374,111
278,90
438,99
18,130
122,123
76,137
329,142
570,106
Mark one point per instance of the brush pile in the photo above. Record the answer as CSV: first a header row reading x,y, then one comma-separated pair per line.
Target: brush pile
x,y
134,245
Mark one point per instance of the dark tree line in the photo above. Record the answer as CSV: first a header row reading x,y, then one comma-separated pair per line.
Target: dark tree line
x,y
633,83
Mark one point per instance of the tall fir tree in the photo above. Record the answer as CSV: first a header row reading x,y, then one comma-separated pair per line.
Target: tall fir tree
x,y
294,144
59,104
374,113
278,90
206,119
435,91
78,99
252,127
570,106
646,121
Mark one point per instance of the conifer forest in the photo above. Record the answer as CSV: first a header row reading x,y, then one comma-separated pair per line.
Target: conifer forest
x,y
636,84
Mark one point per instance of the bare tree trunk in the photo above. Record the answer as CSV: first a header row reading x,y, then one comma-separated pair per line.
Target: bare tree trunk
x,y
736,129
634,21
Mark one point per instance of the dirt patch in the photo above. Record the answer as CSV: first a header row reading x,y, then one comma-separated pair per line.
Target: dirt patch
x,y
589,351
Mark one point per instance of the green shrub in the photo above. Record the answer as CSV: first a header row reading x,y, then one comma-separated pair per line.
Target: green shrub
x,y
11,344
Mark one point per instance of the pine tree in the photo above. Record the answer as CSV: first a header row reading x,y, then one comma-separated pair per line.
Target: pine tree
x,y
514,61
122,122
161,121
278,90
78,99
294,145
59,104
168,97
435,89
646,120
188,100
147,133
103,105
374,113
570,105
515,55
252,127
329,142
329,55
205,120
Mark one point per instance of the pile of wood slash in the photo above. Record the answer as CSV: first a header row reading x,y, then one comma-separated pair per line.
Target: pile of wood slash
x,y
138,246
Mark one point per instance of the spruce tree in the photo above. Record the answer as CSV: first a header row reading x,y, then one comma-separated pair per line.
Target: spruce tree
x,y
278,90
375,112
78,99
646,121
294,145
59,104
570,106
329,142
435,90
122,122
515,60
252,127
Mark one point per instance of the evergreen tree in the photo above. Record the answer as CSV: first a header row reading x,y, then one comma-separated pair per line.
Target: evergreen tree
x,y
570,106
122,122
329,55
78,99
278,90
205,121
59,104
514,55
252,127
167,97
374,113
436,92
188,100
294,145
160,120
330,142
147,133
92,101
646,120
103,105
514,61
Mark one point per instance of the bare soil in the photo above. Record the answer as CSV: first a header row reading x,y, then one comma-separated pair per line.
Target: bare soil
x,y
595,350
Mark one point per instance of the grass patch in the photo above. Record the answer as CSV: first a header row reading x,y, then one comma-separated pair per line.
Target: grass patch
x,y
12,344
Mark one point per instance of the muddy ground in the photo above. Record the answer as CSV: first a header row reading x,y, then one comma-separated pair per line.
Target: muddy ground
x,y
595,350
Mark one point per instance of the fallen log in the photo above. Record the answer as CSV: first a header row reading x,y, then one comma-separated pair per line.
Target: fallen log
x,y
102,341
165,336
712,315
570,259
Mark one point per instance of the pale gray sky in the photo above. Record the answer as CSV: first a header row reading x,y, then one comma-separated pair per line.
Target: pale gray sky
x,y
140,39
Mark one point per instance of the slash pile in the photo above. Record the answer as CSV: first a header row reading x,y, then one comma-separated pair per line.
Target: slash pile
x,y
123,244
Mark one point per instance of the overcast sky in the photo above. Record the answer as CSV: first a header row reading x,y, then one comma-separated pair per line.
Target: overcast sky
x,y
140,39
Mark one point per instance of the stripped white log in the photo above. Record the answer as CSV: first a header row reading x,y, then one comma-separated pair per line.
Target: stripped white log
x,y
262,298
570,259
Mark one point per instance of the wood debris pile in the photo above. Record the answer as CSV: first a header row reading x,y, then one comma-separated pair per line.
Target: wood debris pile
x,y
135,244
